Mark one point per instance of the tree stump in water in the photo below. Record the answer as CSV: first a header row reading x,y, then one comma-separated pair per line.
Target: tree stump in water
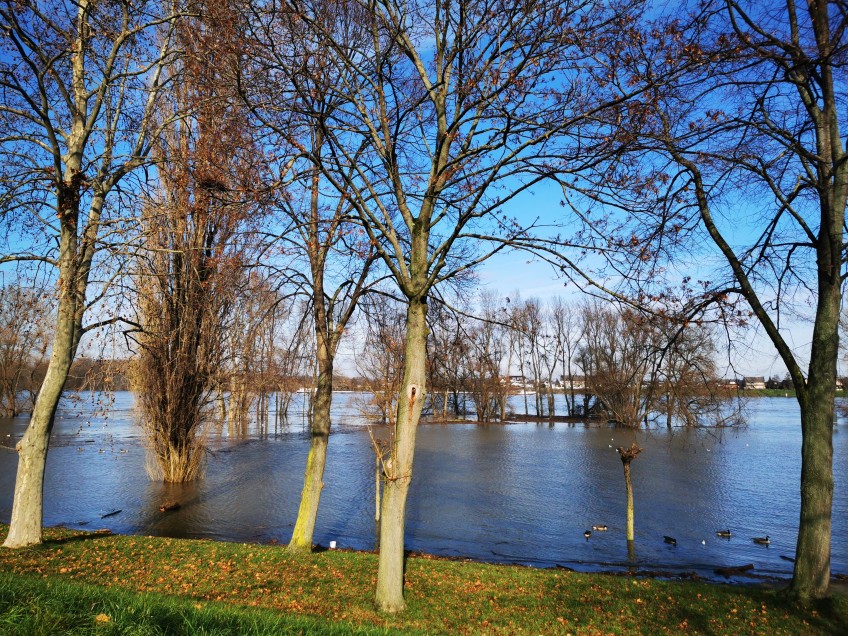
x,y
627,456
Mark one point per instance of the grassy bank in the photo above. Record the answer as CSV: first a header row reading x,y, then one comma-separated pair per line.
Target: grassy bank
x,y
80,583
789,393
54,605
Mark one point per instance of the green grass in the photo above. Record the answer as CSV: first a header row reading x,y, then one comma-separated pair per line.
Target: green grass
x,y
774,393
790,393
30,606
150,585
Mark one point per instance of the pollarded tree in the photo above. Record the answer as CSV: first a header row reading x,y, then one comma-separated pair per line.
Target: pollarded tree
x,y
741,157
448,110
80,81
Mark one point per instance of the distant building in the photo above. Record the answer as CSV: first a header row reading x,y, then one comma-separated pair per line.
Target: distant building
x,y
577,381
731,383
517,382
754,383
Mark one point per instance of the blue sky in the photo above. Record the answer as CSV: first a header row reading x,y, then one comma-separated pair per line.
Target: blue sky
x,y
747,351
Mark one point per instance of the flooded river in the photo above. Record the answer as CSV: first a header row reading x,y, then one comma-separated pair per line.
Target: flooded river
x,y
517,493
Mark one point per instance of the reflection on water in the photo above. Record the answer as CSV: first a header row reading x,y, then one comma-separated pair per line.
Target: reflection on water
x,y
521,493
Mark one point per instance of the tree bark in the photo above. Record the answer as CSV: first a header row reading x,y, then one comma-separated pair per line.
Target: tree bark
x,y
313,481
25,527
627,456
389,597
811,577
628,484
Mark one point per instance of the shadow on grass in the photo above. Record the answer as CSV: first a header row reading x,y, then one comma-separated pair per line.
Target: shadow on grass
x,y
76,538
827,616
60,536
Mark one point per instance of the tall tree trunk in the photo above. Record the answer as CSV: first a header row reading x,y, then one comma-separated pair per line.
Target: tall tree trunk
x,y
389,597
27,507
313,480
811,578
670,402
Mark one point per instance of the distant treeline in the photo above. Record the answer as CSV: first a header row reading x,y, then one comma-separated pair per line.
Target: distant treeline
x,y
98,375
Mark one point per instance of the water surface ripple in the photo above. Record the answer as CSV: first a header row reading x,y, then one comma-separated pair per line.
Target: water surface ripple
x,y
519,493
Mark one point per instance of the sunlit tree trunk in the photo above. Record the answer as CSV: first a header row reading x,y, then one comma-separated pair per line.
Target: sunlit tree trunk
x,y
627,456
27,508
71,80
399,469
313,482
75,257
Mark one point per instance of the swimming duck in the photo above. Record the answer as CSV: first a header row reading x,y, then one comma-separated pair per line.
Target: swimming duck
x,y
723,533
762,540
587,534
599,528
670,540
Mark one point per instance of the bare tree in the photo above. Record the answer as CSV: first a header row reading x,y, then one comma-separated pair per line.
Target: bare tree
x,y
80,84
688,387
293,356
619,355
489,345
381,361
447,355
641,366
748,127
24,340
247,341
291,87
568,333
537,348
446,115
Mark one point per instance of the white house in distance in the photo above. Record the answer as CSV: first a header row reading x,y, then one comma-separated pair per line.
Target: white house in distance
x,y
754,382
577,381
